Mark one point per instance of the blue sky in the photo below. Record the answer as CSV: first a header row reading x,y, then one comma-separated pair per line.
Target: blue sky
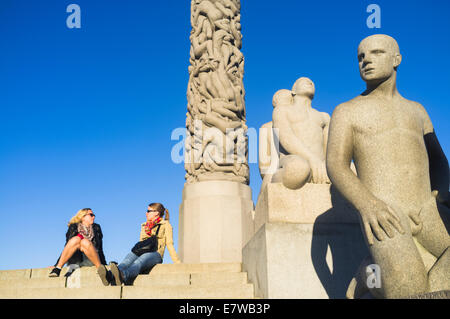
x,y
86,115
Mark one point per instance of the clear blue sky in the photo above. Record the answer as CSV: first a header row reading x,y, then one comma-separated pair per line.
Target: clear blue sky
x,y
87,114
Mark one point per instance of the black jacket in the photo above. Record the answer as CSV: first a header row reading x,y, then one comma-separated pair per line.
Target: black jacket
x,y
97,241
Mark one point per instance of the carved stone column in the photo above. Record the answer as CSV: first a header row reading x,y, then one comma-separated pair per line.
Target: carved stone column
x,y
216,143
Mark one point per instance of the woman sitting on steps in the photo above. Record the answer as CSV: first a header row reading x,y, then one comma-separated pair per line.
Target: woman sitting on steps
x,y
83,238
133,265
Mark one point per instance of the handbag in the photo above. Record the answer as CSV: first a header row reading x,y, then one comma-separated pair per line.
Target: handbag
x,y
146,246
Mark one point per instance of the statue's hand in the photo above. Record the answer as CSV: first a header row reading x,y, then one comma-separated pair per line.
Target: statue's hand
x,y
378,220
319,171
415,222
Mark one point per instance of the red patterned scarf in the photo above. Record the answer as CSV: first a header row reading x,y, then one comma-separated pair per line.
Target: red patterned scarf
x,y
149,226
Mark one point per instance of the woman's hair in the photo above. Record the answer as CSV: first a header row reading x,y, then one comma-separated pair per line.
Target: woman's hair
x,y
79,216
161,210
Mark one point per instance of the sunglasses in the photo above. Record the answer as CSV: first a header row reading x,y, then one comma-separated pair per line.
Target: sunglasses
x,y
92,215
151,211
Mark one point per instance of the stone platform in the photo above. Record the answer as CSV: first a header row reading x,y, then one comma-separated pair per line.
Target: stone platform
x,y
307,243
213,220
165,281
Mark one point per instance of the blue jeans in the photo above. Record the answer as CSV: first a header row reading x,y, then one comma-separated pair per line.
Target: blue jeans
x,y
133,265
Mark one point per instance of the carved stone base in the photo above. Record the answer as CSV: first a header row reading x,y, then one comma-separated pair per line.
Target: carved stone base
x,y
213,215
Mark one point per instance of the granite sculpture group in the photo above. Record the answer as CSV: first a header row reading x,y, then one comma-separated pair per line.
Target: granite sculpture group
x,y
370,182
400,185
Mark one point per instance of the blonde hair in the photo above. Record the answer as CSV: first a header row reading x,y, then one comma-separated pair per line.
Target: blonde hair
x,y
79,216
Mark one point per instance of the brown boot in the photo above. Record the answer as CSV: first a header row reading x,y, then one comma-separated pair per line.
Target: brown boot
x,y
102,272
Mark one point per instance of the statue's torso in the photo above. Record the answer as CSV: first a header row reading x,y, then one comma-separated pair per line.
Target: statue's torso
x,y
307,125
389,150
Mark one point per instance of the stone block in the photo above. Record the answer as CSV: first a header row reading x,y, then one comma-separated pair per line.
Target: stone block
x,y
175,279
61,293
312,203
15,274
196,268
84,277
189,292
44,272
33,283
317,261
214,217
208,279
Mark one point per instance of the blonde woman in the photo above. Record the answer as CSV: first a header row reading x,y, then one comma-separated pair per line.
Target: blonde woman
x,y
83,239
133,265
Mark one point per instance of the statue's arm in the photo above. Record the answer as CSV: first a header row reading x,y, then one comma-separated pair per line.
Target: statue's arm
x,y
438,163
339,157
377,218
287,137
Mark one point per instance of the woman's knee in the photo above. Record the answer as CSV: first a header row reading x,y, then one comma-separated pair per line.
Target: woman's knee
x,y
85,245
74,242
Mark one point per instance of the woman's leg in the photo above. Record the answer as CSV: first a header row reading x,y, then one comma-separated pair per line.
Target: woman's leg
x,y
71,247
150,261
89,250
144,262
127,261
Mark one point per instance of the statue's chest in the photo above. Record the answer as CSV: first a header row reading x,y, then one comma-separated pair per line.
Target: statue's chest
x,y
304,119
373,120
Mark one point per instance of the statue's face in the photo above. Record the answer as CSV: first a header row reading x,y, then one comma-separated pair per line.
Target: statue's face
x,y
378,56
304,87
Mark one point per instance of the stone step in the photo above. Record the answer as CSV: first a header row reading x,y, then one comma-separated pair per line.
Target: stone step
x,y
196,279
91,279
174,279
208,280
61,293
33,283
158,269
243,291
43,272
15,274
196,268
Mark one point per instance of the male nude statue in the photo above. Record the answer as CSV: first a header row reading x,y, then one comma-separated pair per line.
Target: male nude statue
x,y
303,133
399,163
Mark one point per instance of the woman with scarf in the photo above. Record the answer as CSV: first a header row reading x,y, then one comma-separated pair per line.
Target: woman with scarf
x,y
83,239
133,265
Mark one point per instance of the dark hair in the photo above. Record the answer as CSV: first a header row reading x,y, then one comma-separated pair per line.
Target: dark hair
x,y
161,209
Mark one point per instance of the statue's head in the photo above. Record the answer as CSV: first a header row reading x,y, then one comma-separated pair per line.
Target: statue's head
x,y
282,97
304,87
378,57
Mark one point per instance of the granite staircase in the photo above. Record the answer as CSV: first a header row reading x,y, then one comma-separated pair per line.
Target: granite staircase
x,y
165,281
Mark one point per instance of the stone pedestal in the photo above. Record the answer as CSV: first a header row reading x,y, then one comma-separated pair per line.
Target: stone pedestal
x,y
214,215
307,243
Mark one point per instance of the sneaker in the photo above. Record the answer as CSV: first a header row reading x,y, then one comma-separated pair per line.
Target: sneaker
x,y
118,276
102,272
55,272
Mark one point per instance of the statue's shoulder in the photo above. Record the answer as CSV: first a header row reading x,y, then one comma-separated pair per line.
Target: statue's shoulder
x,y
350,106
348,111
415,105
417,109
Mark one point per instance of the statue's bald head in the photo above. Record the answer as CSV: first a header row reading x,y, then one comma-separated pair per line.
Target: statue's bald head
x,y
383,40
378,56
